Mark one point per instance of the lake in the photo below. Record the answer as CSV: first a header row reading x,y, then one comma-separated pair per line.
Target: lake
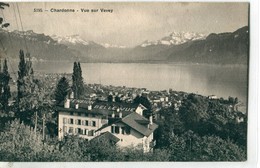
x,y
222,81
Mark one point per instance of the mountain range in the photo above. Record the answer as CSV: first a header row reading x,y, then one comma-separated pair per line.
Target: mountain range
x,y
178,47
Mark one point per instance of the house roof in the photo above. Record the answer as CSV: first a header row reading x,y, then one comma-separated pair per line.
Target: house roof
x,y
106,136
106,104
142,106
136,122
99,108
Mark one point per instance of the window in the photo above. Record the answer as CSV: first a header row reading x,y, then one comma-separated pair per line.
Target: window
x,y
71,113
117,129
71,121
112,129
86,132
79,122
71,130
64,129
78,131
127,130
123,130
91,133
93,115
64,120
93,123
86,122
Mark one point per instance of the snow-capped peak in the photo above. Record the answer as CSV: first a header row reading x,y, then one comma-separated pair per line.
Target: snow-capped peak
x,y
24,33
176,38
74,39
106,45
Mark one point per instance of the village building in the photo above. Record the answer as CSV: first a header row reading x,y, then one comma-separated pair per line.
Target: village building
x,y
132,130
123,123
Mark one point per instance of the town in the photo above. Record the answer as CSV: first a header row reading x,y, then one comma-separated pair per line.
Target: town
x,y
60,109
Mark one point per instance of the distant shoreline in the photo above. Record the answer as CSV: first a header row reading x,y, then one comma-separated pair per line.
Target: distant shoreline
x,y
141,62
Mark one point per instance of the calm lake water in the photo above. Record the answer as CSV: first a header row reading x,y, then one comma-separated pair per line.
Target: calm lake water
x,y
222,81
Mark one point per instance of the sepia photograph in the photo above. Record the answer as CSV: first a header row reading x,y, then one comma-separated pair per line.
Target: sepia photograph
x,y
124,81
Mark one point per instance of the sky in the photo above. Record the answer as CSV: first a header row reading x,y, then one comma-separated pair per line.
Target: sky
x,y
130,23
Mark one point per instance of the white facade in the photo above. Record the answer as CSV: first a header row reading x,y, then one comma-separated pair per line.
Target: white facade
x,y
132,138
79,123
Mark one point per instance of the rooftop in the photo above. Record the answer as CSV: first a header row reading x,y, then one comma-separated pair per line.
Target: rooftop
x,y
136,122
139,123
99,108
106,136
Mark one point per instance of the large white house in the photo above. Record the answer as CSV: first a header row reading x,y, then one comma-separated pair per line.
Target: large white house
x,y
132,130
122,123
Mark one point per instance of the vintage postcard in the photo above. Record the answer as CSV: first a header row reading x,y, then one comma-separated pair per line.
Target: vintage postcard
x,y
124,81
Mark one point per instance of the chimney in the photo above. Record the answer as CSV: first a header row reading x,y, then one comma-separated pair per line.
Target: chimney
x,y
76,105
72,95
113,100
150,122
89,107
151,119
67,103
120,114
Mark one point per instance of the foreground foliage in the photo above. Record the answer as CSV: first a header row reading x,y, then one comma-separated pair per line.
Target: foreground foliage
x,y
19,142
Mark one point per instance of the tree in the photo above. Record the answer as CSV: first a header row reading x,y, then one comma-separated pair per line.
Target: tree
x,y
194,111
117,99
1,79
77,80
5,94
2,4
62,90
109,98
19,143
168,126
2,24
143,100
25,73
4,76
177,148
25,83
232,100
102,150
192,147
32,100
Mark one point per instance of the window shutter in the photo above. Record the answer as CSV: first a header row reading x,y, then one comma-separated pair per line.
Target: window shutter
x,y
93,123
64,129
